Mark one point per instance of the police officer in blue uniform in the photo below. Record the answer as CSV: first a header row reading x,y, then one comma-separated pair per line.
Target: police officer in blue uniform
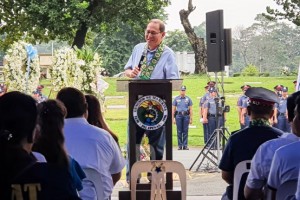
x,y
201,103
243,144
281,116
211,113
183,113
242,107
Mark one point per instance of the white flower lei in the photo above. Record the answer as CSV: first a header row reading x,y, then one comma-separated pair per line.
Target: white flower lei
x,y
69,71
15,69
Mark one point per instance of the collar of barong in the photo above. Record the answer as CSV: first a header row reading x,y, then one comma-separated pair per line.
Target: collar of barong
x,y
259,122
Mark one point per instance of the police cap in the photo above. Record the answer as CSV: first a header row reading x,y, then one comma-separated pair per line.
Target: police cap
x,y
212,89
183,88
261,96
285,89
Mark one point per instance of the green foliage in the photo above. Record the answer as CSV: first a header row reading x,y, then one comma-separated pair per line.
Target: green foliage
x,y
200,30
289,10
265,74
178,41
236,74
250,70
269,45
117,46
48,20
86,54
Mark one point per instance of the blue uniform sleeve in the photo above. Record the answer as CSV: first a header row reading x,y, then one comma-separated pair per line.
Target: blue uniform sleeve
x,y
190,102
174,102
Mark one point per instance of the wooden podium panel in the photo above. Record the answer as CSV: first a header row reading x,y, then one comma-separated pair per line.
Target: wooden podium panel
x,y
139,89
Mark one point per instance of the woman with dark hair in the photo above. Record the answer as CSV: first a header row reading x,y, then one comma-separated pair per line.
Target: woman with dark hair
x,y
95,116
21,176
50,141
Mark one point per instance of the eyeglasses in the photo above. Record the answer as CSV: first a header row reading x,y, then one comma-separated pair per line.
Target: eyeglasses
x,y
152,33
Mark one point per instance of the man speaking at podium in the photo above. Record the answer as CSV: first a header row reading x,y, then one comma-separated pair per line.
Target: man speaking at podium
x,y
152,60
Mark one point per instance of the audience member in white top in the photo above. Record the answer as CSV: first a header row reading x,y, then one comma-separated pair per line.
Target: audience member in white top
x,y
91,146
39,157
285,164
297,195
261,162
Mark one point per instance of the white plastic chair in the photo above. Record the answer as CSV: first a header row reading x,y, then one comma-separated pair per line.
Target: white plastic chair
x,y
158,168
287,190
240,169
93,176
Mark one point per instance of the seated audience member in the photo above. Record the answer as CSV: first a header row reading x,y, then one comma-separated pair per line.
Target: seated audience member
x,y
91,146
243,144
261,162
38,94
297,194
21,176
95,116
50,141
285,164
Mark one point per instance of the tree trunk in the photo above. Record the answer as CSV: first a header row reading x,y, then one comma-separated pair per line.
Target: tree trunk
x,y
79,39
197,43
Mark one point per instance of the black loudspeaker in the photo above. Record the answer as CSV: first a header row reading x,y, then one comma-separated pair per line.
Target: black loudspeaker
x,y
228,46
215,41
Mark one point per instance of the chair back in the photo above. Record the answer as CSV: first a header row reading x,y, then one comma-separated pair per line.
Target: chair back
x,y
240,169
158,168
286,190
94,176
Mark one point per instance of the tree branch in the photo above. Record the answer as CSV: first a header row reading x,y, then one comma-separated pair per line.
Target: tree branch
x,y
196,42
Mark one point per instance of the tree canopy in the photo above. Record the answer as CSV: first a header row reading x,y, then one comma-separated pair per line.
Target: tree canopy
x,y
269,45
70,20
290,10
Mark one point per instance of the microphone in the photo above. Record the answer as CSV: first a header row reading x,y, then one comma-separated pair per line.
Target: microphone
x,y
142,58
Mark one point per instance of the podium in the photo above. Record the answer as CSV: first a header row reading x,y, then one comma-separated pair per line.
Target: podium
x,y
150,109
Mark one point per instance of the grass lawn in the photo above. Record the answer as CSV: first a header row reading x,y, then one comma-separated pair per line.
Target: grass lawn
x,y
117,118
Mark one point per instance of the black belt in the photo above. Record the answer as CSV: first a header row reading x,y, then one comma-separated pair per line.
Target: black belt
x,y
281,114
213,115
182,113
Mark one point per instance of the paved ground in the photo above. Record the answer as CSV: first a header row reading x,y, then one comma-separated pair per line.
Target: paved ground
x,y
204,184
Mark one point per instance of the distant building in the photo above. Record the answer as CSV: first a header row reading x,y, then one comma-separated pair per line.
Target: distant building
x,y
186,63
45,63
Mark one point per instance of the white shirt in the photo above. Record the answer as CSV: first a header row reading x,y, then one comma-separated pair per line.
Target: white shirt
x,y
261,162
298,189
285,165
94,148
39,157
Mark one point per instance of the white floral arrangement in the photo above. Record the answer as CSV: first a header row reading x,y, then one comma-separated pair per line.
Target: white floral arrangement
x,y
21,75
78,68
64,65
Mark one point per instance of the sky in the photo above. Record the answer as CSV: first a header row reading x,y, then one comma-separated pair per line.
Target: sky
x,y
236,12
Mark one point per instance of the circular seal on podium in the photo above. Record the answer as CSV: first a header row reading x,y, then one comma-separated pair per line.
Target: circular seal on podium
x,y
150,112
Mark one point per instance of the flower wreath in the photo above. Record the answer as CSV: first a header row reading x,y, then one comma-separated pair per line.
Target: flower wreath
x,y
70,71
22,68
